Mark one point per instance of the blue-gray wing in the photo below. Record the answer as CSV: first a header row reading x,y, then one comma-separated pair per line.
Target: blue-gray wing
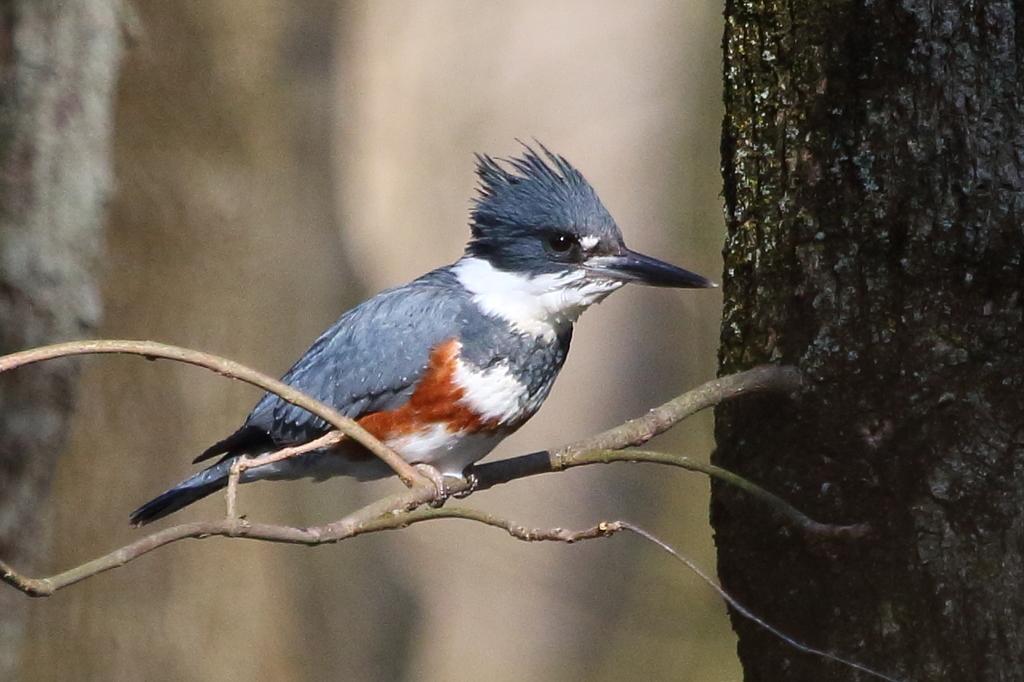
x,y
368,361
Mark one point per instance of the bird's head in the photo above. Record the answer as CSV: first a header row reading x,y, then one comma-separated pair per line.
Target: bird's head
x,y
540,231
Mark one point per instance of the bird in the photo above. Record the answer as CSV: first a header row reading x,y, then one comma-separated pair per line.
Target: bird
x,y
443,368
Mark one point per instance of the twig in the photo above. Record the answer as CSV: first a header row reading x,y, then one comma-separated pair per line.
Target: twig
x,y
808,525
602,448
744,611
231,494
241,464
636,432
228,368
396,509
359,523
239,528
406,508
402,509
506,470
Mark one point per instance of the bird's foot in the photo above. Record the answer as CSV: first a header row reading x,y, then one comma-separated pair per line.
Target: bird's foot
x,y
471,482
441,492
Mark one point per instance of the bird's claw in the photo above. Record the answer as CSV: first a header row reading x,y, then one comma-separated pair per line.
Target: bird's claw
x,y
471,483
441,492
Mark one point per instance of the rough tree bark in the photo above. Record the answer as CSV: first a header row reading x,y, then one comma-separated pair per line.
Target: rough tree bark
x,y
58,62
873,157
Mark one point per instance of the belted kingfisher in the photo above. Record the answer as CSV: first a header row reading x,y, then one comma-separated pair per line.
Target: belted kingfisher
x,y
445,367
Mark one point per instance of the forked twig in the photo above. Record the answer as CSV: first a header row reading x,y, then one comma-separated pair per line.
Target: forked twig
x,y
402,509
406,508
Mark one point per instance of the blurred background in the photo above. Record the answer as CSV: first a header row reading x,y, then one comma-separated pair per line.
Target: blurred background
x,y
276,162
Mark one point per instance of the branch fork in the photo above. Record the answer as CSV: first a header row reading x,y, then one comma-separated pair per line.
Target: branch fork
x,y
412,505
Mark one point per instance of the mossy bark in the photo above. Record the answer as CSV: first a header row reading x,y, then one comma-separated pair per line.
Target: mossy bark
x,y
873,158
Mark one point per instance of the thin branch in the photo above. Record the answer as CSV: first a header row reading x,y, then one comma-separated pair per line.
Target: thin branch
x,y
240,464
742,610
229,368
506,470
808,525
360,523
602,448
406,508
403,508
239,528
636,432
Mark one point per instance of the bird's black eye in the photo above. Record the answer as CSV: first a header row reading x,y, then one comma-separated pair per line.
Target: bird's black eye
x,y
563,246
560,243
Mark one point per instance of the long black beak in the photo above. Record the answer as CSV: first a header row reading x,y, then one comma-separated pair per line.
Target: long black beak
x,y
630,266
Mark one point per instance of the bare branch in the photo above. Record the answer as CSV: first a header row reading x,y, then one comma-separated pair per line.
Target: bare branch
x,y
405,508
514,468
239,528
229,368
636,432
242,463
808,525
360,523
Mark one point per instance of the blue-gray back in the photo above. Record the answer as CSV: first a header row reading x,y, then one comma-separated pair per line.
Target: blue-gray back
x,y
372,357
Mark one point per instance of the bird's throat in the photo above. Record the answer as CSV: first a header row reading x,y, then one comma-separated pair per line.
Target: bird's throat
x,y
539,305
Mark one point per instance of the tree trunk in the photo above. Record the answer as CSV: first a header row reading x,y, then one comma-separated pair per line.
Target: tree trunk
x,y
220,238
872,155
58,62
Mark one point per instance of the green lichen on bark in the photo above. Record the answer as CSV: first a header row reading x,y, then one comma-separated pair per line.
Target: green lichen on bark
x,y
873,156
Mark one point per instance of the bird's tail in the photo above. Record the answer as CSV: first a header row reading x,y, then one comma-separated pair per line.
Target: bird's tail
x,y
206,482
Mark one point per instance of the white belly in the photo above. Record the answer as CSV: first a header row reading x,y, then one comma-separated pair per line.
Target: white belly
x,y
449,453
